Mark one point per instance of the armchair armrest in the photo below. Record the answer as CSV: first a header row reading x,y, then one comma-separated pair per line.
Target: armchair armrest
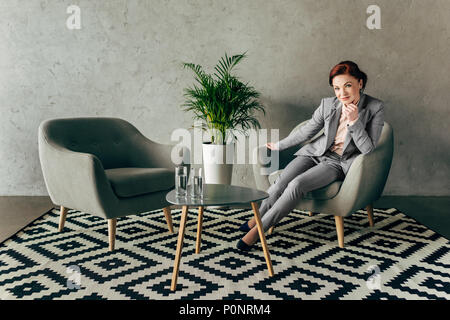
x,y
75,180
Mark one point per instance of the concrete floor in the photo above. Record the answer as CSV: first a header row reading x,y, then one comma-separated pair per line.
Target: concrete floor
x,y
18,211
433,212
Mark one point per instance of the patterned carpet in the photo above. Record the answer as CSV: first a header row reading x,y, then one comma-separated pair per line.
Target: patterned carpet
x,y
397,259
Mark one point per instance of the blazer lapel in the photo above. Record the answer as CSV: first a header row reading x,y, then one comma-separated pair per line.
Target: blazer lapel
x,y
361,106
333,123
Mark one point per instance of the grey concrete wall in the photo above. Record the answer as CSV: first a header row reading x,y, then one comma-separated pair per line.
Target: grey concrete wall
x,y
125,62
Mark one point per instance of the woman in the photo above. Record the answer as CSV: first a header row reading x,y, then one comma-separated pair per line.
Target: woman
x,y
352,123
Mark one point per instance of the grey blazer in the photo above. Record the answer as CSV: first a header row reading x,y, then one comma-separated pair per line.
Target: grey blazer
x,y
362,136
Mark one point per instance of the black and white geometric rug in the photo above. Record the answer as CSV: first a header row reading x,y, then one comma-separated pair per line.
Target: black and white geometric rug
x,y
396,259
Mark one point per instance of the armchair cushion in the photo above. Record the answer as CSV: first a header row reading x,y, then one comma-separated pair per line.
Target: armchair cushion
x,y
130,182
325,193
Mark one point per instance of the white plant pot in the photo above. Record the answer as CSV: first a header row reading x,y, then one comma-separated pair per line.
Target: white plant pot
x,y
218,163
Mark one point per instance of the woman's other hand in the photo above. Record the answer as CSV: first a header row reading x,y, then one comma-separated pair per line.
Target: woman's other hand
x,y
271,146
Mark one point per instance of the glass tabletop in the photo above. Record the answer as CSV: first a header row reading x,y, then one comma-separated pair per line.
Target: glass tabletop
x,y
219,194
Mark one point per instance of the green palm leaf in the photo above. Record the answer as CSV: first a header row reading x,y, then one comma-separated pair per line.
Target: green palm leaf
x,y
221,100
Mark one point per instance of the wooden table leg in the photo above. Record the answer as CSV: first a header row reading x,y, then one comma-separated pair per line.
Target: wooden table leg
x,y
262,237
176,265
199,229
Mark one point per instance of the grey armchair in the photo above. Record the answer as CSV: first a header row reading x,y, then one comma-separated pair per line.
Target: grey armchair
x,y
106,167
363,184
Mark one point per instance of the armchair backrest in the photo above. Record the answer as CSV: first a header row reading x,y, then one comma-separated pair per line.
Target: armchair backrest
x,y
109,139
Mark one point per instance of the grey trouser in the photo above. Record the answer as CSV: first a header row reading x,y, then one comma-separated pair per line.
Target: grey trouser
x,y
301,175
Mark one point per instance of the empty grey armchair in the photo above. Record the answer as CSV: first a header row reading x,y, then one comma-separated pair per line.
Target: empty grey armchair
x,y
105,167
363,184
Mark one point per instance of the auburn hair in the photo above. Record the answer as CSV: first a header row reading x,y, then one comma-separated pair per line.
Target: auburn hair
x,y
348,67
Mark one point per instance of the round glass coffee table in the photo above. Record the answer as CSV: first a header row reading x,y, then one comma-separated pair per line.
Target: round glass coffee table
x,y
216,195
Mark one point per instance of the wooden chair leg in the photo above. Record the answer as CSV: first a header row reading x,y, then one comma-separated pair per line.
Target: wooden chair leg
x,y
168,216
62,218
340,230
112,223
199,229
369,210
310,213
271,230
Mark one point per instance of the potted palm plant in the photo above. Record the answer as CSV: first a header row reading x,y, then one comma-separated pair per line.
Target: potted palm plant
x,y
224,105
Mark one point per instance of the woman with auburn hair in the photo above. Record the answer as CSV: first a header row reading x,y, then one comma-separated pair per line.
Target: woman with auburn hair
x,y
352,123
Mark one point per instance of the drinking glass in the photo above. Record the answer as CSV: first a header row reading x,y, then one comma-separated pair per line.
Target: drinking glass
x,y
180,181
196,183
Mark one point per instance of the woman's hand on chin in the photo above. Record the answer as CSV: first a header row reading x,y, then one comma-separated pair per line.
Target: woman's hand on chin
x,y
351,112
